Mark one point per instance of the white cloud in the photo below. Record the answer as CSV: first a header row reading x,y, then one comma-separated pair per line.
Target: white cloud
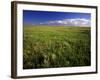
x,y
70,22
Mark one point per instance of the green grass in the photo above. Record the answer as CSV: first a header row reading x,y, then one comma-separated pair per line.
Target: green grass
x,y
49,47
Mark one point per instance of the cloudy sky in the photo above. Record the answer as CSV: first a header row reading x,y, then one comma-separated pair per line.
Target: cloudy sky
x,y
56,18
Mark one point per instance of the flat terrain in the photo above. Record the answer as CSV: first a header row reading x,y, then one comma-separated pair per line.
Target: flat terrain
x,y
56,46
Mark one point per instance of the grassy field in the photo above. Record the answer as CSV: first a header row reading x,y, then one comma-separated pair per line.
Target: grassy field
x,y
49,47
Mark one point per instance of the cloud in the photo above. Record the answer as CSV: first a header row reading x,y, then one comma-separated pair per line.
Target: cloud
x,y
70,22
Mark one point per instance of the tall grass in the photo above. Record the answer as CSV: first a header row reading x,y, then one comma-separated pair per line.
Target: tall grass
x,y
49,47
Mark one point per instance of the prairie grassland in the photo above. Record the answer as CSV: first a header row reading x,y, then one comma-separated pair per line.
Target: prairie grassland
x,y
58,46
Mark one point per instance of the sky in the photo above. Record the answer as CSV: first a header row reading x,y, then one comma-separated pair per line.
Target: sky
x,y
56,18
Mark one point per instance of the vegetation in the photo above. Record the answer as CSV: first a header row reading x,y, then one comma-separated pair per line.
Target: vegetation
x,y
56,46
